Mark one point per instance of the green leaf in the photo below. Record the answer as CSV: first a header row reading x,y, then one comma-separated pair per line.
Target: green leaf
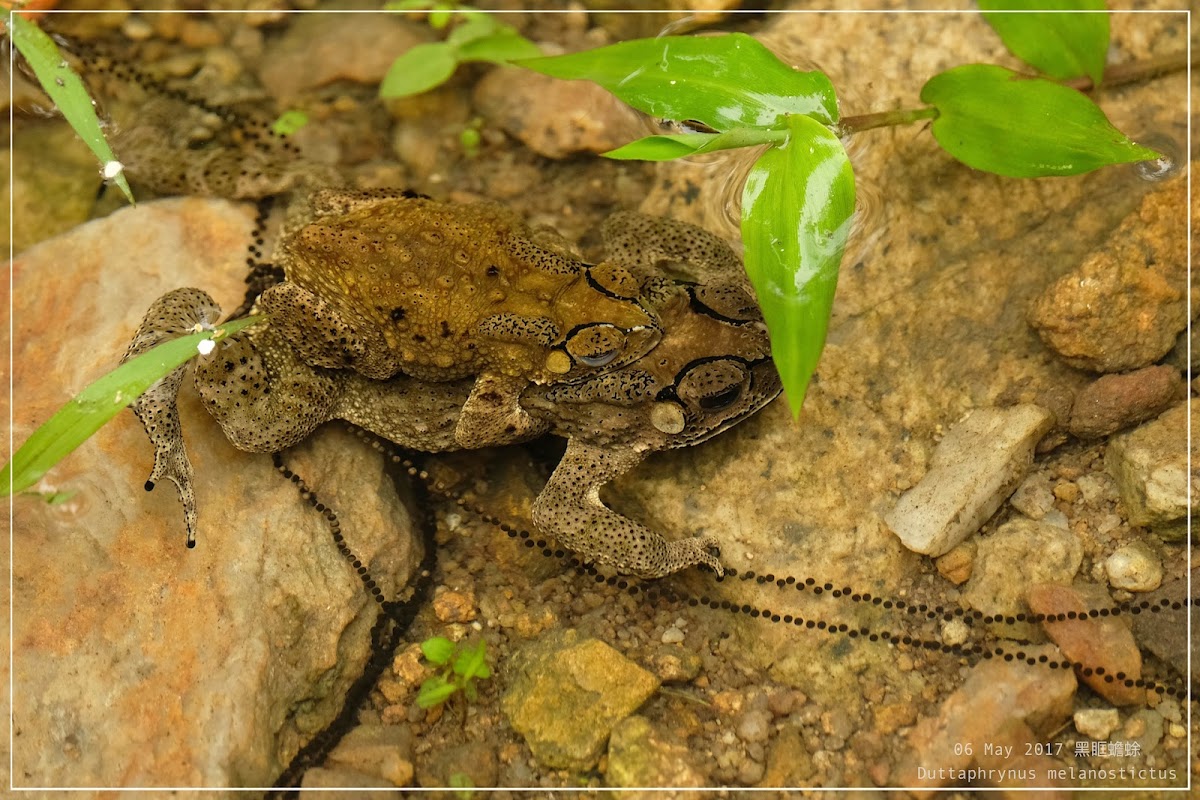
x,y
725,82
419,69
437,649
501,47
470,662
434,691
68,93
289,122
994,120
1062,45
665,147
796,209
72,424
474,26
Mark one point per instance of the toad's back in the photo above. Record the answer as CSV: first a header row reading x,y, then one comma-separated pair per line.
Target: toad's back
x,y
449,289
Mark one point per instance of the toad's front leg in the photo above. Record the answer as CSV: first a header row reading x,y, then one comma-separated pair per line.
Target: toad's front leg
x,y
493,414
569,509
175,313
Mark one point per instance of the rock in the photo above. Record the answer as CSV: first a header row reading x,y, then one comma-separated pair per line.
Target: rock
x,y
318,49
553,117
1018,555
568,693
52,183
1033,497
476,761
384,751
1097,723
999,702
454,606
753,725
672,635
1122,307
132,649
1134,567
1144,726
338,780
789,760
1149,465
1091,642
1113,402
674,664
639,755
956,565
974,469
1165,632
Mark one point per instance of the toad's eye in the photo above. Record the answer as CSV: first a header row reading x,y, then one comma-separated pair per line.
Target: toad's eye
x,y
596,345
599,360
722,399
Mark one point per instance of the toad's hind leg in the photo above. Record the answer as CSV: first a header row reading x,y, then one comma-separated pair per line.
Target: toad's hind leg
x,y
682,251
175,313
493,415
570,510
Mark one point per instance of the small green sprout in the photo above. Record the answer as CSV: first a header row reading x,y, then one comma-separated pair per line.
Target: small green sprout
x,y
478,37
469,138
460,667
289,122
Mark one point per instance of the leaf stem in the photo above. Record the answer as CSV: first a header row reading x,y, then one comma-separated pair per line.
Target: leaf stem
x,y
1118,75
883,119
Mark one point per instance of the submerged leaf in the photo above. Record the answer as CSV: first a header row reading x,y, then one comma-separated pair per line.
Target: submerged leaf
x,y
796,209
1063,45
726,82
72,424
994,120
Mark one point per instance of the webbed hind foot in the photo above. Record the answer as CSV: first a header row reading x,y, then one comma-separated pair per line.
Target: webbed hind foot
x,y
175,313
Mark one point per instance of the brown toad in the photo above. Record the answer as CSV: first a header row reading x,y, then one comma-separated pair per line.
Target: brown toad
x,y
711,370
386,283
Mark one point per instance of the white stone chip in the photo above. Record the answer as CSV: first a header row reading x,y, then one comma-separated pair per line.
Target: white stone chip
x,y
205,346
973,470
112,169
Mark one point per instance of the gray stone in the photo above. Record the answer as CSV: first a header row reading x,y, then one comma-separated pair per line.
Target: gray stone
x,y
1149,465
1134,567
973,471
568,693
1016,556
149,663
384,751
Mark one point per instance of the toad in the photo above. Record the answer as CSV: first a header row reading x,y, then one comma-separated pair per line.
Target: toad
x,y
383,283
711,370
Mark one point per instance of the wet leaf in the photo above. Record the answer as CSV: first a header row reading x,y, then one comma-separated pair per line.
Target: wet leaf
x,y
419,69
796,209
725,82
1062,45
665,147
470,662
435,691
994,120
72,424
67,91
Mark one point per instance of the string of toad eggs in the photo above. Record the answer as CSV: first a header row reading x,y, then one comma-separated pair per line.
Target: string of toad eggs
x,y
660,592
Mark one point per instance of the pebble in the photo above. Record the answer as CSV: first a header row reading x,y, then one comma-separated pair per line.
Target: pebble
x,y
1124,305
552,117
1134,567
1149,465
1113,402
956,565
1094,642
1019,554
674,664
973,470
753,726
1097,723
641,755
672,635
1145,727
955,631
454,606
1033,497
